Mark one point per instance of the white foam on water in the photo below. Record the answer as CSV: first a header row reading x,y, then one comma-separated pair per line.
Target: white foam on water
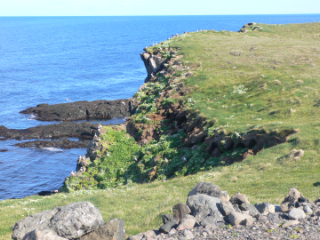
x,y
52,149
32,117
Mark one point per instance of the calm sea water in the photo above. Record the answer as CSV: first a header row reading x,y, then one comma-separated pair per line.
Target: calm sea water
x,y
60,59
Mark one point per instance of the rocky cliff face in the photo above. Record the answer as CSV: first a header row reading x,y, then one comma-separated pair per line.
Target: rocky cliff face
x,y
153,64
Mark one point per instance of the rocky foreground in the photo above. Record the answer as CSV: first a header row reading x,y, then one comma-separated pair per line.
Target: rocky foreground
x,y
209,213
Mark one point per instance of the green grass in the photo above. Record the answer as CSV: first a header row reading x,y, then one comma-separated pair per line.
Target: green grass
x,y
234,79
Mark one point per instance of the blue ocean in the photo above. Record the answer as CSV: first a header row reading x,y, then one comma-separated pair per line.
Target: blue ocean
x,y
62,59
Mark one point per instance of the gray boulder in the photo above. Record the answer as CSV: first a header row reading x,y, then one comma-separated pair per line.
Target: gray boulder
x,y
296,214
250,208
209,189
76,219
307,209
236,218
273,217
39,221
42,235
226,207
200,200
265,208
70,221
293,199
166,218
188,234
112,230
201,213
167,227
211,204
180,210
239,198
209,220
187,222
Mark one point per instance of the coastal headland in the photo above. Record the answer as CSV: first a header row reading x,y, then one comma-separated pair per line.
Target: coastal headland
x,y
237,109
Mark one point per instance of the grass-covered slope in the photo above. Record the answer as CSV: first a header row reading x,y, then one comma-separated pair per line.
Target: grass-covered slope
x,y
265,78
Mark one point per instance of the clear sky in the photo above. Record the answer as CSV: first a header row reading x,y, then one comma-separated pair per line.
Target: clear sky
x,y
154,7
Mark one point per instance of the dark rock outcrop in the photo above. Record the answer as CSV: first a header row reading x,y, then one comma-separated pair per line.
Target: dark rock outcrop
x,y
82,110
52,131
63,143
153,64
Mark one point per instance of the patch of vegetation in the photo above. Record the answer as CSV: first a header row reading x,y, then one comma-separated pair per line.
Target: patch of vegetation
x,y
125,162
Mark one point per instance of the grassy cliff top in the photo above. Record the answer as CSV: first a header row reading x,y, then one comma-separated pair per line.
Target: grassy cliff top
x,y
265,77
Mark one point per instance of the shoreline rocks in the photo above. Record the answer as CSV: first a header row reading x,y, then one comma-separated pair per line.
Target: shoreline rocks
x,y
63,143
84,130
81,110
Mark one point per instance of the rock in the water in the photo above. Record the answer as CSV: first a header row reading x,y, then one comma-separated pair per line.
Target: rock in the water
x,y
43,235
236,218
112,230
187,222
296,214
179,211
209,189
265,208
81,110
70,221
84,130
63,143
